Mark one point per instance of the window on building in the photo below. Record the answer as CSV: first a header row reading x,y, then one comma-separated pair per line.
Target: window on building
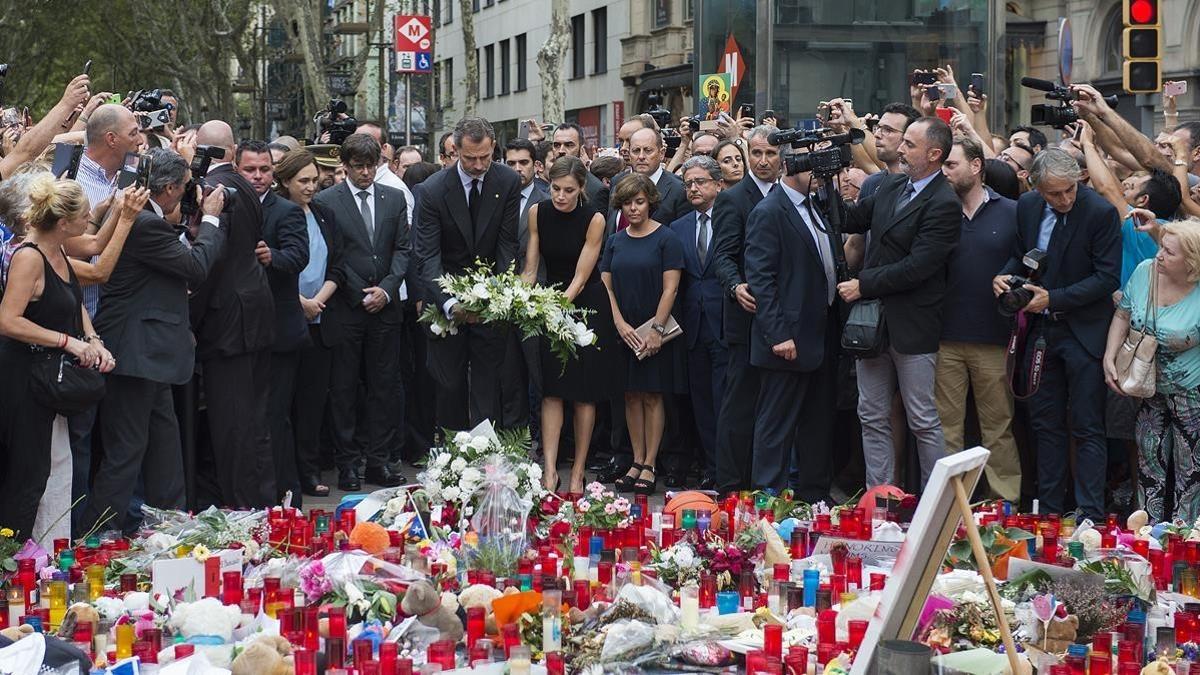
x,y
600,40
448,15
689,10
1114,30
490,3
448,83
505,67
578,69
521,84
662,13
489,64
474,5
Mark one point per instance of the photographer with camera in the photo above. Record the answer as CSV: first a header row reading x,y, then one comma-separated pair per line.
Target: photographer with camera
x,y
1068,315
914,219
144,323
233,317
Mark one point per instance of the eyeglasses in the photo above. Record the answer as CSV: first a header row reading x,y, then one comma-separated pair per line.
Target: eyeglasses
x,y
697,182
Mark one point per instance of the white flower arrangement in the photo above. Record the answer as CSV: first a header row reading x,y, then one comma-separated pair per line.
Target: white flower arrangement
x,y
452,474
541,311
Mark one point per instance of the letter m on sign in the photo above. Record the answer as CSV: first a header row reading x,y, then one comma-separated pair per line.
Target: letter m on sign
x,y
733,63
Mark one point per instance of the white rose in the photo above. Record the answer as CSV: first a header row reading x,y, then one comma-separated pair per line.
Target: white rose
x,y
684,556
510,479
458,465
535,472
480,291
436,329
480,443
451,493
462,438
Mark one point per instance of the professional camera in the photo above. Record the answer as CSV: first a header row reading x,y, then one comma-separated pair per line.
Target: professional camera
x,y
1057,116
337,121
1017,296
203,158
149,109
824,163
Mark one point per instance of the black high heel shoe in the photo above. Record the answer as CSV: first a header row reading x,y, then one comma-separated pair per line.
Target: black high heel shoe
x,y
625,483
646,487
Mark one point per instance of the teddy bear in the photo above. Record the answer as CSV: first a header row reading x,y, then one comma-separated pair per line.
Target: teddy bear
x,y
422,601
1058,635
267,655
209,625
78,614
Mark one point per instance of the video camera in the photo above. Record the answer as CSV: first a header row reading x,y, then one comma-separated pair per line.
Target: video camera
x,y
1057,116
662,117
824,163
151,112
203,158
336,120
1017,296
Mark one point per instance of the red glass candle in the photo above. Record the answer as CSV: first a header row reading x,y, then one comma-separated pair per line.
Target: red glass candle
x,y
756,661
796,663
555,664
1127,650
857,629
878,579
799,543
837,586
368,668
310,624
708,590
475,623
335,650
854,571
184,650
826,627
403,666
337,622
824,523
1108,540
306,662
388,653
773,640
583,594
480,654
511,636
1102,642
838,555
1142,547
231,588
363,650
1050,545
1099,664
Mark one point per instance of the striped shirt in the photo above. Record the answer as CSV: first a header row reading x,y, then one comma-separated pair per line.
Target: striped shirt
x,y
97,186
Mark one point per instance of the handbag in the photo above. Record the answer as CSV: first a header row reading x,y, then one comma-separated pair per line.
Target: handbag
x,y
671,331
58,382
865,333
1136,367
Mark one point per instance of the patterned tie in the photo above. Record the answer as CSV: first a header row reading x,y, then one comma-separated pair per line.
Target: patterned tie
x,y
365,209
702,238
905,197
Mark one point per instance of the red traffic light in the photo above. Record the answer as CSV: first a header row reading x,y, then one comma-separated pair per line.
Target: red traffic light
x,y
1143,12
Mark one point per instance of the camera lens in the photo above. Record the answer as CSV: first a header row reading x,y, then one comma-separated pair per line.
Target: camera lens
x,y
1013,301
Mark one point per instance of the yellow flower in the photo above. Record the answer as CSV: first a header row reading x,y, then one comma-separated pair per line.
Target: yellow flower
x,y
6,532
201,553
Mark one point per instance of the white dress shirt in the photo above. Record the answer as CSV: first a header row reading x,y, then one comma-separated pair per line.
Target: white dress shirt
x,y
654,177
763,185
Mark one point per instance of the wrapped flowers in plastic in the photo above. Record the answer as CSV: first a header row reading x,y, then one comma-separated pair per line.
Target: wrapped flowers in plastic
x,y
498,528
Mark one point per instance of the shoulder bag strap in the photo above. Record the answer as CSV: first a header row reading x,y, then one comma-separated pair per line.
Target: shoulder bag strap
x,y
1151,316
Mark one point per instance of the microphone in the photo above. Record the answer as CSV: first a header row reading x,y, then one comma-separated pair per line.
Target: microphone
x,y
1040,85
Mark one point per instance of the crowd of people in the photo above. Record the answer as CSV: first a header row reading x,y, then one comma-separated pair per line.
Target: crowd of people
x,y
278,285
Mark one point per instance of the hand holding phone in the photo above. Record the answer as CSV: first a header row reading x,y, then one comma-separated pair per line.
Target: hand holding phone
x,y
1177,88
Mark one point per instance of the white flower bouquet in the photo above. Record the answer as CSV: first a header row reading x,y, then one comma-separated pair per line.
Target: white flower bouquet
x,y
454,474
542,311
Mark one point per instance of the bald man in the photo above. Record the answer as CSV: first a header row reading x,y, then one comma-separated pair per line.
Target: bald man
x,y
233,317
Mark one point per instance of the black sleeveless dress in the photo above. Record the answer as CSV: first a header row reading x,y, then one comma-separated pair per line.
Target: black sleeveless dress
x,y
594,374
25,425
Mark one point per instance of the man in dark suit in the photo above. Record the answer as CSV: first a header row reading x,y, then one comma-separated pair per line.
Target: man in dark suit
x,y
914,222
646,151
469,211
735,422
144,322
1071,308
233,316
791,273
283,251
567,141
701,307
521,385
375,259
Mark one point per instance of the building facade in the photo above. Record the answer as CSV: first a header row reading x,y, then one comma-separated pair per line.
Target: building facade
x,y
508,35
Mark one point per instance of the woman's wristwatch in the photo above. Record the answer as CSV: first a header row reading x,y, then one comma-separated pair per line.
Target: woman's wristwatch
x,y
659,328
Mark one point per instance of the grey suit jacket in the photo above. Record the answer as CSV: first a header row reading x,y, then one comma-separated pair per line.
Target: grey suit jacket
x,y
382,261
539,193
144,316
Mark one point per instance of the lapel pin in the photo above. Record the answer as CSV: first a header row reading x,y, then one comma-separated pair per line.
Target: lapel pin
x,y
496,196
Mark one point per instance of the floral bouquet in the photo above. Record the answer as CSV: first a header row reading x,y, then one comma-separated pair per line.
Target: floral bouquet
x,y
8,548
601,509
677,565
541,311
454,474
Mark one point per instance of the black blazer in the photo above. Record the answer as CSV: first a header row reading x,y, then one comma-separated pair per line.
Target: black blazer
x,y
672,201
787,280
597,194
329,331
286,232
730,211
144,316
448,243
382,262
233,312
700,293
906,258
1083,264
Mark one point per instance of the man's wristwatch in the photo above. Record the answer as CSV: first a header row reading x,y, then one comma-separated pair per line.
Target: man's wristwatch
x,y
1180,162
659,328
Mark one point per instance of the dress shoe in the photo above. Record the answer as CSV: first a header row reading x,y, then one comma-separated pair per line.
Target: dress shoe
x,y
675,480
383,477
614,469
598,462
348,480
313,487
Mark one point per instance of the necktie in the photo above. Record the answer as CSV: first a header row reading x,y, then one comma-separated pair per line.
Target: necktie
x,y
473,203
702,238
364,207
905,197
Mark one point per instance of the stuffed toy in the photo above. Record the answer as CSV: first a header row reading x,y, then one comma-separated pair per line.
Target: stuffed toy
x,y
423,601
268,655
481,595
15,633
1058,634
77,614
209,625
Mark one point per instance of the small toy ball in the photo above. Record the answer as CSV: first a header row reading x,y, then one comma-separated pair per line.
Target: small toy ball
x,y
371,537
867,503
692,499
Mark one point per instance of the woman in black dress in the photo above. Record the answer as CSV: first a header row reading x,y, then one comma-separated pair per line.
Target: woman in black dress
x,y
567,234
641,270
41,310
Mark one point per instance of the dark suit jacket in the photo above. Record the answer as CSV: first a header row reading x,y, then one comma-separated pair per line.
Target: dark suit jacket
x,y
597,194
233,312
730,211
329,331
1083,264
787,280
448,243
144,316
672,201
537,195
286,233
700,294
906,259
381,262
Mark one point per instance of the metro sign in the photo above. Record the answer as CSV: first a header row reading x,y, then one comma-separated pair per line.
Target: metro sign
x,y
414,46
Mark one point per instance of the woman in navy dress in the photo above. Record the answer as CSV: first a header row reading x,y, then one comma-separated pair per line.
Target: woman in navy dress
x,y
566,234
641,269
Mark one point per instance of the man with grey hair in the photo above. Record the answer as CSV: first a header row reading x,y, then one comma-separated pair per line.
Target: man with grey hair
x,y
469,211
1069,310
700,303
144,321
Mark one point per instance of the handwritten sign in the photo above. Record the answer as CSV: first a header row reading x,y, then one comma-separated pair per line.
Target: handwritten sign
x,y
877,553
